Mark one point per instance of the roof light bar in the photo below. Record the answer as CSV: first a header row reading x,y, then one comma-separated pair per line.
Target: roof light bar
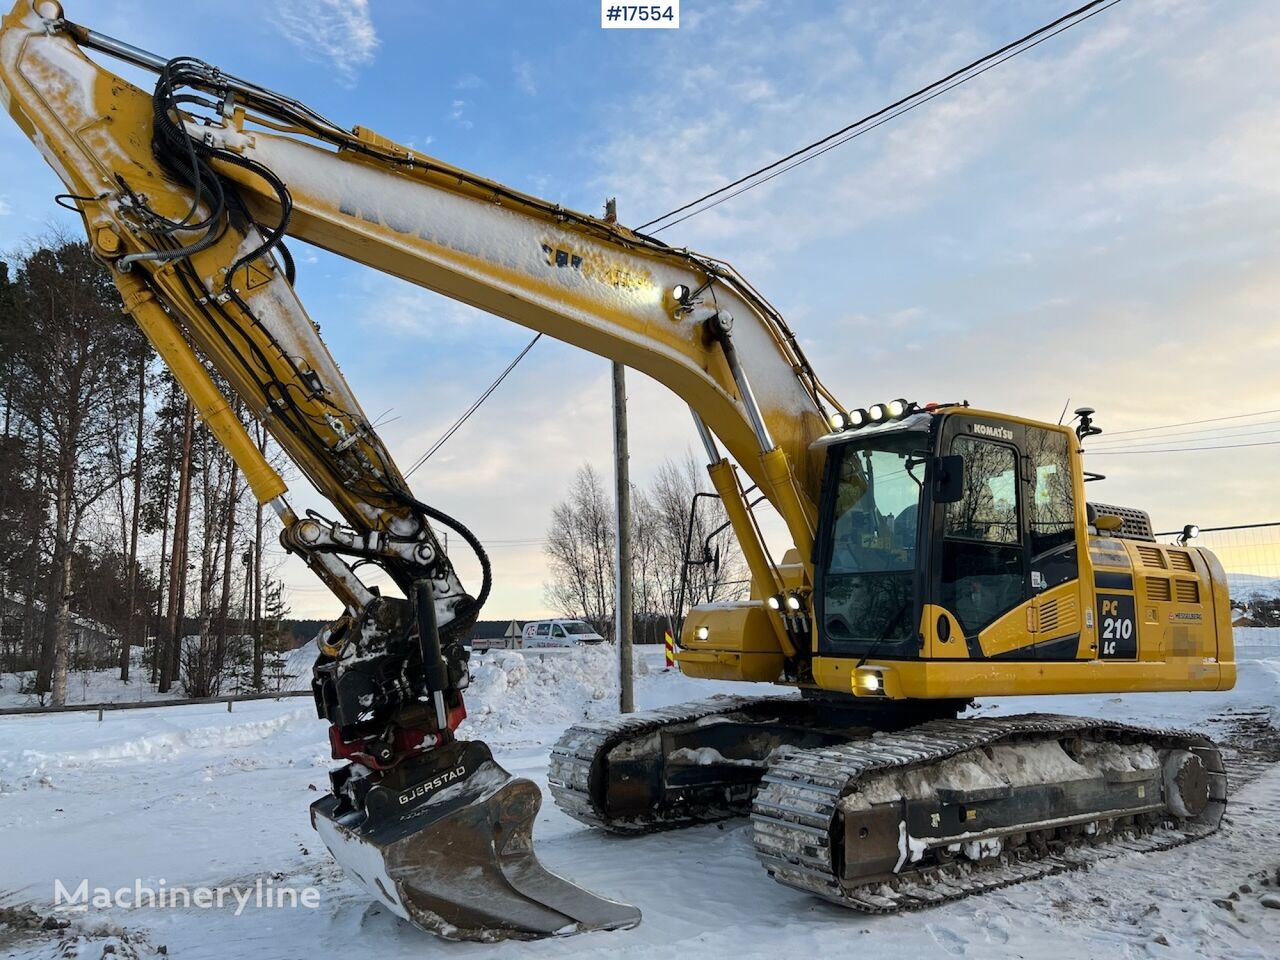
x,y
876,413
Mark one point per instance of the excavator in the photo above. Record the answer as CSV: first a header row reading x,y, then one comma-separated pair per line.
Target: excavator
x,y
939,552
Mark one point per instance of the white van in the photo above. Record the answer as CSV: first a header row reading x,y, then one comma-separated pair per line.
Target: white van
x,y
558,633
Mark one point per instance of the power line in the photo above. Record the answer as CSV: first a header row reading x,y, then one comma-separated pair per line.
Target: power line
x,y
1238,526
1224,446
1190,423
1189,437
804,154
910,102
457,424
885,114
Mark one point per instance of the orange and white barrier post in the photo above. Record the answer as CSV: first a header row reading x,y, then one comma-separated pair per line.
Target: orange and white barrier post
x,y
671,650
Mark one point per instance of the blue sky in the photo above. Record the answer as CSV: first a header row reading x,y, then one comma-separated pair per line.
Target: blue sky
x,y
1097,219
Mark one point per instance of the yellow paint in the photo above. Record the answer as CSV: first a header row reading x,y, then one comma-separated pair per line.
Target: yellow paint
x,y
740,643
195,381
933,680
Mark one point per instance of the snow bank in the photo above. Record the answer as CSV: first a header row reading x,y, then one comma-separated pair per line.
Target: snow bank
x,y
516,690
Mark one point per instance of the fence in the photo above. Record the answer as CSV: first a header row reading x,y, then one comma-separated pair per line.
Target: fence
x,y
1249,552
88,688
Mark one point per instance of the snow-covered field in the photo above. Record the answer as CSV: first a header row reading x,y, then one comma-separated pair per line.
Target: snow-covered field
x,y
200,797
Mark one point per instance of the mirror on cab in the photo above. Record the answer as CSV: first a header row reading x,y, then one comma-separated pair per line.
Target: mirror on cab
x,y
948,479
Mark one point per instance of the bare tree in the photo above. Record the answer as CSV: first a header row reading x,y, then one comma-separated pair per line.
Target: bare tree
x,y
135,518
716,569
580,553
580,550
169,651
206,658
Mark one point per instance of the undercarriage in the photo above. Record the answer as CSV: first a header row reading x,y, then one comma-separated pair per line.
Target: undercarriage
x,y
881,814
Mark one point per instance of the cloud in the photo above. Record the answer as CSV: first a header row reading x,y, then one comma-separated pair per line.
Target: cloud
x,y
525,82
457,111
1095,219
394,308
5,209
468,81
337,32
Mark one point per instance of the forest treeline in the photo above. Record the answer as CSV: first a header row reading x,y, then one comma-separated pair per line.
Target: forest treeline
x,y
128,539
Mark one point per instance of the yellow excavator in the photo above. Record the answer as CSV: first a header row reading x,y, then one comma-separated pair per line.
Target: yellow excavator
x,y
939,552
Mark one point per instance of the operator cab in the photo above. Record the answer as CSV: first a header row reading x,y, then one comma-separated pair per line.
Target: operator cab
x,y
960,514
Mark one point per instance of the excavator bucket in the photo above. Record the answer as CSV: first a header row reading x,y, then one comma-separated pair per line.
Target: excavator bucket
x,y
450,849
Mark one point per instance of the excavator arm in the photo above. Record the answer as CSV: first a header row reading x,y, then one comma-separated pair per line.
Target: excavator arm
x,y
188,193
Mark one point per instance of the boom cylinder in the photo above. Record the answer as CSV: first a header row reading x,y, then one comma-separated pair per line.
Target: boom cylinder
x,y
195,381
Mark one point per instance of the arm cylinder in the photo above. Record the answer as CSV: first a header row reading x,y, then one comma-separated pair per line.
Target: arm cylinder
x,y
433,666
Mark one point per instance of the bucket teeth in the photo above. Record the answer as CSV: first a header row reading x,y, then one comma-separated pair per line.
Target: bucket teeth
x,y
449,847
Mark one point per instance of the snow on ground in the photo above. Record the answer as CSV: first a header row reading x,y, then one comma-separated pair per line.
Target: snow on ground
x,y
105,686
83,686
197,796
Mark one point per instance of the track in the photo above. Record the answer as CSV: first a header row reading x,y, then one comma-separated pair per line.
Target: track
x,y
800,808
798,814
577,760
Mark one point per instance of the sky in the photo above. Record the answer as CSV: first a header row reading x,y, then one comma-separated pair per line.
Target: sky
x,y
1096,222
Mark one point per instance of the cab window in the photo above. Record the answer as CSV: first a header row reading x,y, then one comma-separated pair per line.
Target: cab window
x,y
982,556
1051,527
557,631
988,508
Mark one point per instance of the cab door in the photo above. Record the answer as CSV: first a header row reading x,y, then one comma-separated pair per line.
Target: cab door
x,y
981,575
1055,619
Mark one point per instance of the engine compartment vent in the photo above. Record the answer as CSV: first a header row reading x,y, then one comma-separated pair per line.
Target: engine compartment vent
x,y
1152,557
1137,524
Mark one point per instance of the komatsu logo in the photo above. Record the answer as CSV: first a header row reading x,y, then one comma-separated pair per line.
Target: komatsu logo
x,y
431,786
996,433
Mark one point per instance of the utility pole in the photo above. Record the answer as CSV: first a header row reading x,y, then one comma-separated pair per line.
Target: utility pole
x,y
622,476
623,537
